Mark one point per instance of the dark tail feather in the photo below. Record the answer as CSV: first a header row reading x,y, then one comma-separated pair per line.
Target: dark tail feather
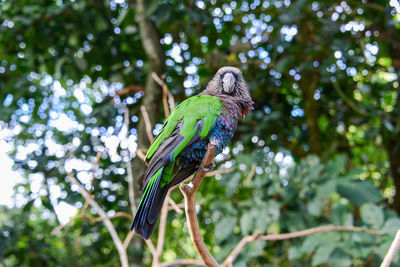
x,y
150,206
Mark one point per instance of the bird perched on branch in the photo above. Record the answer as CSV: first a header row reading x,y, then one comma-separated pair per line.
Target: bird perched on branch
x,y
210,117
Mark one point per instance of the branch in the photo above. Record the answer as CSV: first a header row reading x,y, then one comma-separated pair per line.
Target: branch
x,y
239,247
392,250
274,237
130,88
189,192
224,171
252,172
140,154
320,229
174,206
147,123
107,222
182,262
166,93
131,191
94,168
349,102
116,215
128,239
162,226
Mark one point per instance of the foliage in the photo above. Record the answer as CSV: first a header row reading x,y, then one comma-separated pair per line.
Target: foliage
x,y
322,137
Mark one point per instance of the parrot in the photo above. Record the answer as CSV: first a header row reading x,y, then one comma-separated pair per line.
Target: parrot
x,y
211,117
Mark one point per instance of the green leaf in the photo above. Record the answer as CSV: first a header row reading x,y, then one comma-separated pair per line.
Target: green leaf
x,y
358,192
372,214
295,253
342,215
391,226
322,254
224,228
314,207
246,222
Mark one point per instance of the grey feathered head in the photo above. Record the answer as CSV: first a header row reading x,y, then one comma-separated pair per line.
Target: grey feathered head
x,y
229,82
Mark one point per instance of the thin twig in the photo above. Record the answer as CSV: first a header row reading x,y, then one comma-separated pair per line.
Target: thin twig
x,y
131,192
392,250
239,247
189,192
93,170
180,262
275,237
349,102
320,229
140,154
116,215
166,93
128,239
162,226
61,226
147,123
152,248
224,171
164,88
107,222
174,206
252,172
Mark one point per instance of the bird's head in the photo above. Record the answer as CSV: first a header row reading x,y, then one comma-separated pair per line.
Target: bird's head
x,y
229,81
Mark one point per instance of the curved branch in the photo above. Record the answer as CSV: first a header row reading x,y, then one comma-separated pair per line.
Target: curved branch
x,y
147,123
107,222
315,230
392,250
239,247
189,192
275,237
182,262
348,101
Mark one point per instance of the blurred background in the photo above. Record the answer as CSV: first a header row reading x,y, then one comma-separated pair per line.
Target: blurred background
x,y
321,146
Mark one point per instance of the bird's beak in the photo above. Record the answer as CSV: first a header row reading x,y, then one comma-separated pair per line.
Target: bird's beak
x,y
228,82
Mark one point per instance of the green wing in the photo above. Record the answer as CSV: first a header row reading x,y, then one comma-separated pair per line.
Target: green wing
x,y
202,107
191,120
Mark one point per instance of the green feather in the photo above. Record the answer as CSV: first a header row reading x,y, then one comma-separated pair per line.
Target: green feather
x,y
202,107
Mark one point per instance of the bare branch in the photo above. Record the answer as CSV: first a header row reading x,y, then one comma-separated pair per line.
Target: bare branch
x,y
274,237
166,93
252,172
239,247
61,226
140,154
93,170
174,206
349,102
151,247
128,239
189,192
147,123
162,226
320,229
116,215
131,191
130,88
392,250
107,222
224,171
179,262
165,89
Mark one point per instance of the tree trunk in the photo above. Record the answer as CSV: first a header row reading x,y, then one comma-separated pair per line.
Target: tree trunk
x,y
153,93
392,141
150,39
308,84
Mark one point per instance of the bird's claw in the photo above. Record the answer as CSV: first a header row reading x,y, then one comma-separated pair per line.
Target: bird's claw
x,y
209,168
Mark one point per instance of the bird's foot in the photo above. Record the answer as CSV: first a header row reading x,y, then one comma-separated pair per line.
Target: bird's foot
x,y
209,168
